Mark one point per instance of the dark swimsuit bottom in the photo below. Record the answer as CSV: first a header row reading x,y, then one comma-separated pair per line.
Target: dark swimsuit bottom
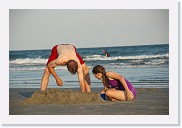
x,y
54,55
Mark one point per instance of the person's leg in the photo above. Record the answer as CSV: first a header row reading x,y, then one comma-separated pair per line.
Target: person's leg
x,y
45,79
117,94
86,77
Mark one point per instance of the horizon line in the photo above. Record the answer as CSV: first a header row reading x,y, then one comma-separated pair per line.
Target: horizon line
x,y
92,47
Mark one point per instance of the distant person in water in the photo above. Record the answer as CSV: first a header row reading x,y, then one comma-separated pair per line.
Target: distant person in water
x,y
107,54
66,54
116,87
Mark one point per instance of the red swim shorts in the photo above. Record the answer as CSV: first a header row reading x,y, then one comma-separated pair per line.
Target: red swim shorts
x,y
54,55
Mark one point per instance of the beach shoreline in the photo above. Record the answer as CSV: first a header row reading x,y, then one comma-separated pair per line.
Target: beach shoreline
x,y
149,101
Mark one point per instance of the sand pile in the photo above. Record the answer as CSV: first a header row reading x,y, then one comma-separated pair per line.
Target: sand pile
x,y
57,96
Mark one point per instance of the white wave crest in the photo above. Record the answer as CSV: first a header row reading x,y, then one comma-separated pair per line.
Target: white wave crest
x,y
34,68
140,57
29,61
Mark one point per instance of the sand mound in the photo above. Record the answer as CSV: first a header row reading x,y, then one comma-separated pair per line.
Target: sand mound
x,y
57,96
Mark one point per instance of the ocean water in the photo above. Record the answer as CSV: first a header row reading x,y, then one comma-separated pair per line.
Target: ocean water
x,y
144,66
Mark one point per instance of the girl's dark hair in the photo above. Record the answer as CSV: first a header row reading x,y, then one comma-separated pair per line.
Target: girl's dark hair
x,y
101,69
72,66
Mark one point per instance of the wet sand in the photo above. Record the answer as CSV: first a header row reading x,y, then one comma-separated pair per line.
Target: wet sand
x,y
31,101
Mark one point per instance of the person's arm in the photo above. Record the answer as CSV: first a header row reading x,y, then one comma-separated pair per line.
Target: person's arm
x,y
114,75
106,87
51,67
81,79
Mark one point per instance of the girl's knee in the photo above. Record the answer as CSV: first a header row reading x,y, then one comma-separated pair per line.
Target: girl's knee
x,y
108,93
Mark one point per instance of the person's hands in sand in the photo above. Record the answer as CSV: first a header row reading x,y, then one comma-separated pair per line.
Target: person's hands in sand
x,y
59,82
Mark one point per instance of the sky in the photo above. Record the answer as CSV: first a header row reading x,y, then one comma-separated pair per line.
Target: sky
x,y
33,29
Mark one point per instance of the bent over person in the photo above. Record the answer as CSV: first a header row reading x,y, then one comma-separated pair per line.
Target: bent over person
x,y
66,54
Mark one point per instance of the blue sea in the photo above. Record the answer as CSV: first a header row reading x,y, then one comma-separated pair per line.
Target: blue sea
x,y
144,66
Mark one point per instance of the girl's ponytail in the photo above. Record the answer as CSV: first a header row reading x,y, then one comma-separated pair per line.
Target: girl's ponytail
x,y
105,79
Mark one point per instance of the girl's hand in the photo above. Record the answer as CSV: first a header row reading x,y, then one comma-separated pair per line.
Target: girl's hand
x,y
129,95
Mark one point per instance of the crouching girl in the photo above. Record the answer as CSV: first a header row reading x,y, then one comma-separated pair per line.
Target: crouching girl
x,y
116,87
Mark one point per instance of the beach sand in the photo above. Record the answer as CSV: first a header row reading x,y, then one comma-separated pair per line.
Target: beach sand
x,y
31,101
